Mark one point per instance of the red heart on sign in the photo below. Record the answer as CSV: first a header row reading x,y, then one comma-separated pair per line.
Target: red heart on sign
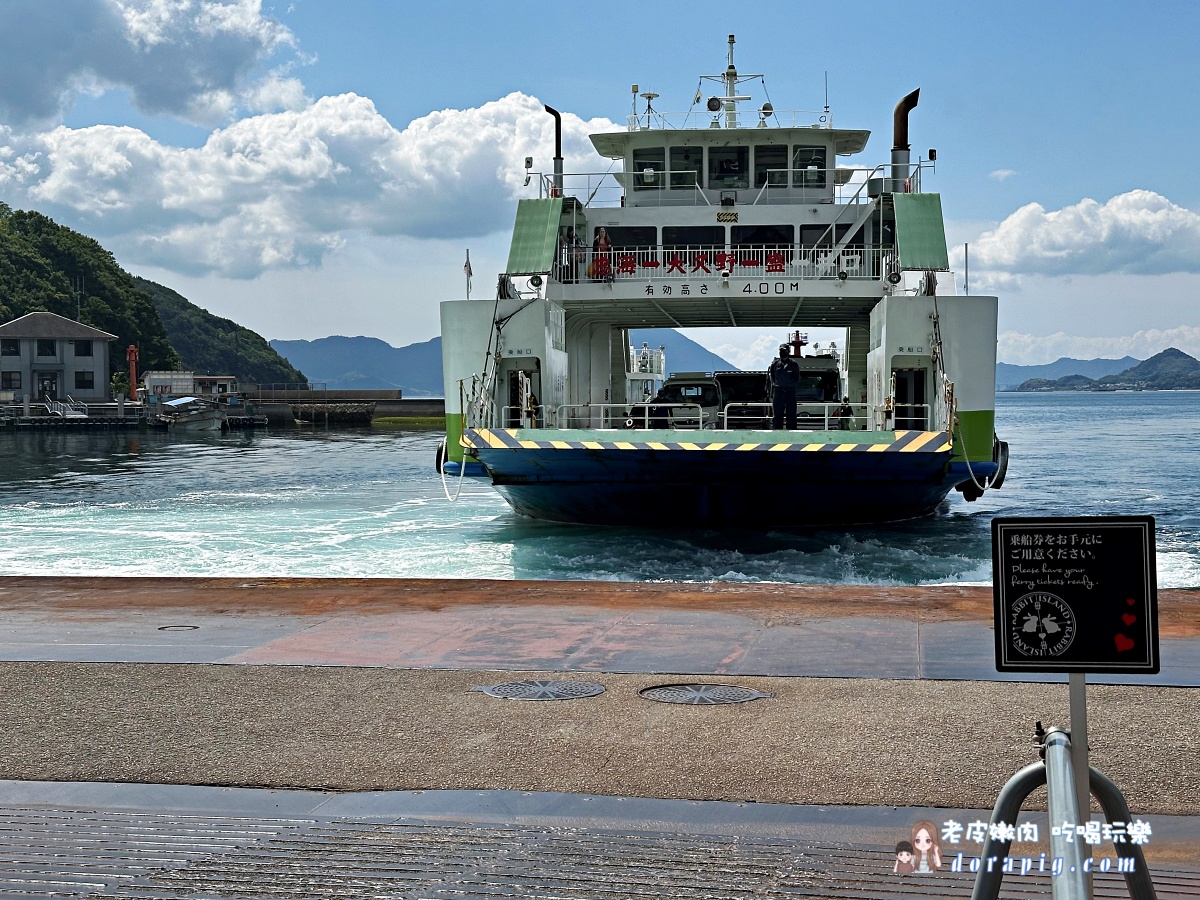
x,y
1129,618
1130,602
1123,643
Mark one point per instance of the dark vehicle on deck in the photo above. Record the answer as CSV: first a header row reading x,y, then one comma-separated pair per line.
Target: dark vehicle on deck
x,y
745,403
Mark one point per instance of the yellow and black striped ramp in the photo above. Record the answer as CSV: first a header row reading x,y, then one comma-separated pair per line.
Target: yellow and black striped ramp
x,y
784,442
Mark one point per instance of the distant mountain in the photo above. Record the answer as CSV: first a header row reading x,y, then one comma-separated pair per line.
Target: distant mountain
x,y
367,363
1170,370
210,345
1008,376
683,354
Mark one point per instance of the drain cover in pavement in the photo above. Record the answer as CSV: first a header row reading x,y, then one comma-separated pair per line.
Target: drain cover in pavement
x,y
542,690
701,694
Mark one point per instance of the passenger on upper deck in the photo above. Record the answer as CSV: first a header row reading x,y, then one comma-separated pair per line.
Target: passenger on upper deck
x,y
570,254
601,266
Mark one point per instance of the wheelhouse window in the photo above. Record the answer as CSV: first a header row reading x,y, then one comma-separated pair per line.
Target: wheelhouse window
x,y
687,168
728,167
809,167
83,348
693,237
768,247
770,165
10,381
774,236
649,169
634,250
824,236
46,347
633,238
85,381
10,347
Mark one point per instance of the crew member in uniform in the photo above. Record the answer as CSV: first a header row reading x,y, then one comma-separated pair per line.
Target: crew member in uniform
x,y
782,379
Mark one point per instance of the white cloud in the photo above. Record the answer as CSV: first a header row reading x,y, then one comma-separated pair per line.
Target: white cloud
x,y
1002,174
1139,232
1029,350
283,189
195,59
754,348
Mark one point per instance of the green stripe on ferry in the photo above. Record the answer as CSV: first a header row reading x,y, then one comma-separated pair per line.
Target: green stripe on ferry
x,y
974,436
454,431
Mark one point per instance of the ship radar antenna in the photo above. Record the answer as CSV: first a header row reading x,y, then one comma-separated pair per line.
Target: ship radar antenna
x,y
649,97
826,117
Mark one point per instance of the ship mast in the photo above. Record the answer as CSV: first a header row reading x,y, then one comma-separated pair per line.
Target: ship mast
x,y
729,79
730,88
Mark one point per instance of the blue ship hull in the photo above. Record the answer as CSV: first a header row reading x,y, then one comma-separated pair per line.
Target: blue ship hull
x,y
783,479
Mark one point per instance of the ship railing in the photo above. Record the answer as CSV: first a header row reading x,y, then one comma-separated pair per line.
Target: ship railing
x,y
696,263
688,120
641,414
644,361
812,416
845,185
904,417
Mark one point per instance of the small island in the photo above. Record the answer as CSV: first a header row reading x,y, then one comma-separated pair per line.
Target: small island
x,y
1171,370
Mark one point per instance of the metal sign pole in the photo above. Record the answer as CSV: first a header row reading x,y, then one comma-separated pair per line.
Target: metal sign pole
x,y
1079,754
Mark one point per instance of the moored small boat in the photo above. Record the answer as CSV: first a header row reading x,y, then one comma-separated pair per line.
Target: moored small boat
x,y
190,414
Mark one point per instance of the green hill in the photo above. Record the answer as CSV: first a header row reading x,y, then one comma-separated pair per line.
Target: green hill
x,y
1171,370
48,267
210,345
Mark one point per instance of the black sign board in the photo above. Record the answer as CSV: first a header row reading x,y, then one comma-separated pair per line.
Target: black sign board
x,y
1075,594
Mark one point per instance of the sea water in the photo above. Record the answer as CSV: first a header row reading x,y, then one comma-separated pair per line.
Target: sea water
x,y
369,504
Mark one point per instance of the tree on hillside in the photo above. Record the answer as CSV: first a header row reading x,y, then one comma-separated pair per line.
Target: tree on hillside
x,y
48,267
211,345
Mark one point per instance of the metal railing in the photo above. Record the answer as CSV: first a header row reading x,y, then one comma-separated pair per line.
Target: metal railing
x,y
766,186
668,263
694,119
817,416
68,409
646,414
644,361
1070,877
630,415
282,390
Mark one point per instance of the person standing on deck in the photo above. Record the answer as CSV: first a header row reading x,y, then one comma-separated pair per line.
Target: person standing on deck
x,y
782,379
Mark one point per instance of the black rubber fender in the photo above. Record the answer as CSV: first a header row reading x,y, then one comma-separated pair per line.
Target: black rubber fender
x,y
1000,458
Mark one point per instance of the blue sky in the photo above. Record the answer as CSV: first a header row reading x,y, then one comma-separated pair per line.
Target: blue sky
x,y
313,168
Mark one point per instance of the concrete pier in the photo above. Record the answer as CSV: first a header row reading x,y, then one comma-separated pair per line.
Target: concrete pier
x,y
366,685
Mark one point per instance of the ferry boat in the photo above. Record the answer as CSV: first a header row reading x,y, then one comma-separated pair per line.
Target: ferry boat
x,y
729,214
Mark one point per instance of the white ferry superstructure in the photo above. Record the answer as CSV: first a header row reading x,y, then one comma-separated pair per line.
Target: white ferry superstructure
x,y
726,216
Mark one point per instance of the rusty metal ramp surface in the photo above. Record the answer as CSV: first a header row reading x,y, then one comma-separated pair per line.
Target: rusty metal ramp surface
x,y
70,853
